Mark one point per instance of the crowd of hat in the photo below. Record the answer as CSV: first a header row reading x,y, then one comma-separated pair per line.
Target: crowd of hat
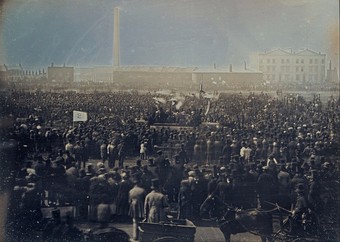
x,y
256,133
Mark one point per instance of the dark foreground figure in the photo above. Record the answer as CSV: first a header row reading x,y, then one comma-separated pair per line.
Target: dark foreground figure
x,y
233,221
56,229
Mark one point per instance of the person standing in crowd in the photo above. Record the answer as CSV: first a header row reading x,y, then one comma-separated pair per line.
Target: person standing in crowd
x,y
114,179
297,179
217,148
136,200
152,167
82,187
69,160
223,187
272,163
123,197
69,147
235,149
199,188
121,153
143,152
245,153
185,201
283,178
226,152
210,150
146,178
182,155
197,152
266,188
155,204
301,207
265,147
112,154
103,151
314,198
78,153
162,168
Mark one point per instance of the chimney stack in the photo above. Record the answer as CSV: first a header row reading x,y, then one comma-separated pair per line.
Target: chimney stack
x,y
116,45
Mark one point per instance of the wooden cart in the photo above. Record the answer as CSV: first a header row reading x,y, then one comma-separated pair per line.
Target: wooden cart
x,y
174,231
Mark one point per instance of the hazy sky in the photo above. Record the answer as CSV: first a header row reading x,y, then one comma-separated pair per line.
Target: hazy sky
x,y
200,33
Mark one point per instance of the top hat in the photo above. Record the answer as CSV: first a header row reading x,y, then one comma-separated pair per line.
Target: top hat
x,y
155,183
192,173
300,187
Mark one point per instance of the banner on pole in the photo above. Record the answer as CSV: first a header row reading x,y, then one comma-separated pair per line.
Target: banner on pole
x,y
79,116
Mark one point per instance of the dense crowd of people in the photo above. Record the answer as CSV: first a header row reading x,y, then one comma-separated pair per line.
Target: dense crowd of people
x,y
258,150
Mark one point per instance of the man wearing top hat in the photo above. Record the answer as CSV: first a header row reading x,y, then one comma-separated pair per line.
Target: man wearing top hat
x,y
152,168
136,200
266,188
122,199
155,203
301,207
314,198
161,164
146,178
223,187
112,154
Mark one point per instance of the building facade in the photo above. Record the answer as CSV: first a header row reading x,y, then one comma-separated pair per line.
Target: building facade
x,y
12,73
149,77
280,66
60,74
332,75
17,73
222,79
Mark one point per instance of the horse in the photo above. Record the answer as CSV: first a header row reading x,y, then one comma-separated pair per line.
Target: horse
x,y
233,221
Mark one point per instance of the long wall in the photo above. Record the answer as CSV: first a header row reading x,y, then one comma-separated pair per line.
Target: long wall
x,y
169,77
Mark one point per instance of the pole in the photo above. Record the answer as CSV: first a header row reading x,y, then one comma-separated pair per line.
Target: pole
x,y
116,38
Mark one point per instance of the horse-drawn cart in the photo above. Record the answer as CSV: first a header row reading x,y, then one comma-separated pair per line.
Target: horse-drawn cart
x,y
174,231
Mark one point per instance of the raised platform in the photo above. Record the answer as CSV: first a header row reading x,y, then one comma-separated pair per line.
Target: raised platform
x,y
171,126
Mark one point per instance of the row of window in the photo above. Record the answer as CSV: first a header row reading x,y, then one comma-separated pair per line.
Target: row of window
x,y
297,61
298,77
311,77
287,68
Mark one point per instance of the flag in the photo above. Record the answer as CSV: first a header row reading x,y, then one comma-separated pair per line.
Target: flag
x,y
79,116
159,100
201,88
208,108
179,105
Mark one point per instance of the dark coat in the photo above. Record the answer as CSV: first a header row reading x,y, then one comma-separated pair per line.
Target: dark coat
x,y
122,200
136,200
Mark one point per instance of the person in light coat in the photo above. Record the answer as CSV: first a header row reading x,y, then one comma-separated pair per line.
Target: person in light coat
x,y
155,203
136,200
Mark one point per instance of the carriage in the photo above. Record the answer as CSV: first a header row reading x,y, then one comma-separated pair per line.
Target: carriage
x,y
308,226
173,231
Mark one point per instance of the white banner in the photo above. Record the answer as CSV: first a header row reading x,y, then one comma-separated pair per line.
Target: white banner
x,y
79,116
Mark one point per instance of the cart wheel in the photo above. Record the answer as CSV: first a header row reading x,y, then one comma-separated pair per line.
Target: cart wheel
x,y
167,239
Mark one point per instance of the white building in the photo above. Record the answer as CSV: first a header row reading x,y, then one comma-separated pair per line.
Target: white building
x,y
280,66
